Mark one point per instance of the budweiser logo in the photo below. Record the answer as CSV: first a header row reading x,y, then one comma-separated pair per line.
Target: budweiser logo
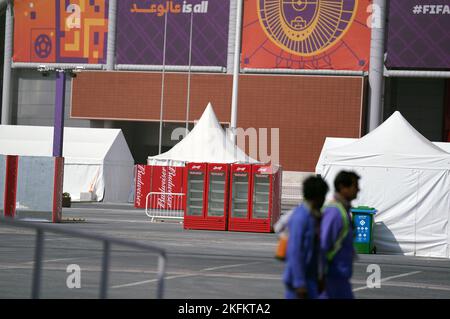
x,y
139,183
218,168
263,169
167,186
196,167
240,169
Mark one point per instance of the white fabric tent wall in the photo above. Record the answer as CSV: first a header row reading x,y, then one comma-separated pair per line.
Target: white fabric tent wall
x,y
118,171
96,160
404,176
206,143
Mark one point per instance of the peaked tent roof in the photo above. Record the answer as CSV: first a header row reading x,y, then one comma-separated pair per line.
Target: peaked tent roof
x,y
81,145
395,143
335,142
206,143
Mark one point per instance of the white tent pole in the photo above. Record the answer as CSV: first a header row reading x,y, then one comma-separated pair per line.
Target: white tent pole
x,y
189,75
162,84
237,60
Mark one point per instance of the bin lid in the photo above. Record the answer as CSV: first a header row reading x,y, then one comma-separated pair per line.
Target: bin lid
x,y
364,209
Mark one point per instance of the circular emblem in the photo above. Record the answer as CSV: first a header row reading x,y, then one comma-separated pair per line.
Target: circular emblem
x,y
43,46
306,27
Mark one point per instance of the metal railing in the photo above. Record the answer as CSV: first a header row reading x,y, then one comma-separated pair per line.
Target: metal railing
x,y
292,192
107,242
164,205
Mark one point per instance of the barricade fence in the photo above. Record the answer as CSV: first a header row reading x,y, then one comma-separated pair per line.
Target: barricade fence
x,y
291,193
107,242
160,205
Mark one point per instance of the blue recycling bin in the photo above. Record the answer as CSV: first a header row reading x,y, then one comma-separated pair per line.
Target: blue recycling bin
x,y
363,221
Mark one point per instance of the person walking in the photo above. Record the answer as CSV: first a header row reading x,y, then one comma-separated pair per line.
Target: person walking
x,y
336,238
301,274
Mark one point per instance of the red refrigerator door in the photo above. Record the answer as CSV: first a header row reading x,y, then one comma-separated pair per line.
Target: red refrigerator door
x,y
195,193
217,204
262,198
240,197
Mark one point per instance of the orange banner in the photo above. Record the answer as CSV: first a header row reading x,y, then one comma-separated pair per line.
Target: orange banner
x,y
306,34
62,31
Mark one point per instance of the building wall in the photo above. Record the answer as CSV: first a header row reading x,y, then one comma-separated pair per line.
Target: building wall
x,y
33,100
421,102
306,109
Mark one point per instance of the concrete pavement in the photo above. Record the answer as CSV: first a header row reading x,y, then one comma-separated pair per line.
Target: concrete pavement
x,y
201,264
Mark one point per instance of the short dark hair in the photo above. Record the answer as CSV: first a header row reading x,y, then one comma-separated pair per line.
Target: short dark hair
x,y
345,179
314,187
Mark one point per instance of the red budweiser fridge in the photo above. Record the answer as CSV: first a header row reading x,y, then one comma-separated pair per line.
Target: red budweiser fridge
x,y
266,197
240,197
194,200
216,212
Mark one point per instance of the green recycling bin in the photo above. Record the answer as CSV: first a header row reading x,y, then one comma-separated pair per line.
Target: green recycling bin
x,y
363,220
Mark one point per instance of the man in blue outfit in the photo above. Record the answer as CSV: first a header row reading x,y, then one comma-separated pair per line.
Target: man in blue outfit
x,y
303,248
336,238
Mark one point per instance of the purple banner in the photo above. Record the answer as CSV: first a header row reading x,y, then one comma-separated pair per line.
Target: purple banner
x,y
140,32
419,34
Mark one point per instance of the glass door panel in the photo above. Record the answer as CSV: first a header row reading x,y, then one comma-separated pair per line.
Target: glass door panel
x,y
261,195
239,206
216,195
195,194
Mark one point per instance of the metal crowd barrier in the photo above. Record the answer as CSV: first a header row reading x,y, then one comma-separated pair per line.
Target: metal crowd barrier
x,y
164,205
107,242
292,192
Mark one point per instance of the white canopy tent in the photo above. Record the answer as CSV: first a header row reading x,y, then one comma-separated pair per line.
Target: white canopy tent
x,y
95,160
206,143
406,178
334,142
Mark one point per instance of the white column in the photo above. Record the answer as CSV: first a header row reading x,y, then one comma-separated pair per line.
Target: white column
x,y
6,98
376,79
111,49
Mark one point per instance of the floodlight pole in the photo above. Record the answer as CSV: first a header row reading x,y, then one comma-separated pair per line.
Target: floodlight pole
x,y
58,127
189,76
237,64
162,85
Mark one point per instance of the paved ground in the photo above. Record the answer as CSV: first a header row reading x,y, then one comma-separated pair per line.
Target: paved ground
x,y
201,264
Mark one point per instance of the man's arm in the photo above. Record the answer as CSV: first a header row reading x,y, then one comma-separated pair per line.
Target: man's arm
x,y
281,224
297,251
330,228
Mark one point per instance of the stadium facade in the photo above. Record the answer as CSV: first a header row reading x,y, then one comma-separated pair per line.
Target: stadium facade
x,y
304,67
